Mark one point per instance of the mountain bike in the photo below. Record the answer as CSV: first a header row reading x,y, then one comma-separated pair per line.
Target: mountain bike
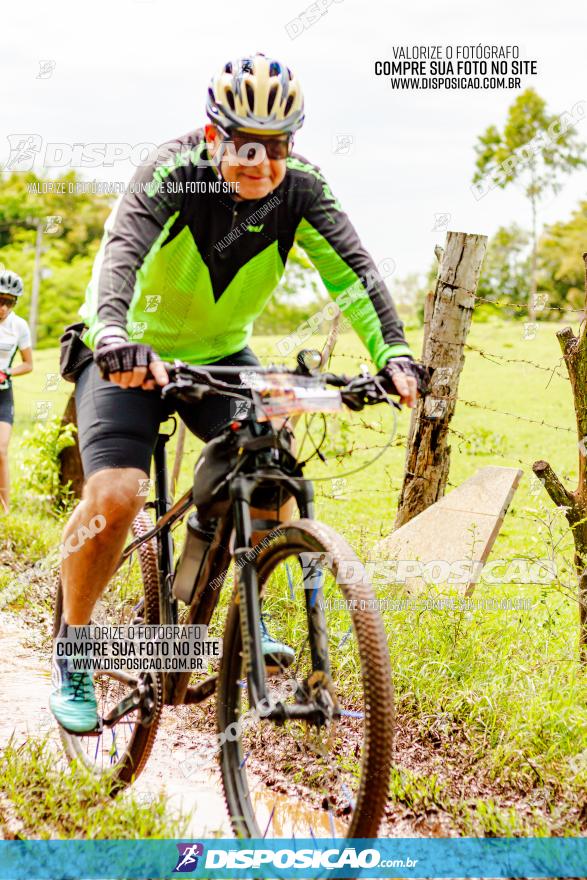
x,y
303,749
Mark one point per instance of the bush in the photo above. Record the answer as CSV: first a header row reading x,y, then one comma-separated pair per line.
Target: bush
x,y
40,471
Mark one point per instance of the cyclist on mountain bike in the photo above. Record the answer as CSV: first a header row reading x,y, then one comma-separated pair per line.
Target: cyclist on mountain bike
x,y
190,257
14,336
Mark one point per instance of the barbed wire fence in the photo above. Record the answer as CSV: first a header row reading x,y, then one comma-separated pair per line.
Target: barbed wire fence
x,y
554,370
571,367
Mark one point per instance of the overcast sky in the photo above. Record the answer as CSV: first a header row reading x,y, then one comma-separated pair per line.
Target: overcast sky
x,y
136,71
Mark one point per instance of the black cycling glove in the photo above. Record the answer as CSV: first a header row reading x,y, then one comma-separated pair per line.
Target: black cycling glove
x,y
408,365
116,355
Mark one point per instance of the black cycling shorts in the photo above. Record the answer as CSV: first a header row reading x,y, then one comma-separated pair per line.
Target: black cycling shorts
x,y
118,427
7,405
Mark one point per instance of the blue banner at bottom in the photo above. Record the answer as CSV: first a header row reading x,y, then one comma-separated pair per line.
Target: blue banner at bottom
x,y
289,858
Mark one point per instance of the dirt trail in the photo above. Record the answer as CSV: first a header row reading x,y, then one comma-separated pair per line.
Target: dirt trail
x,y
174,767
25,685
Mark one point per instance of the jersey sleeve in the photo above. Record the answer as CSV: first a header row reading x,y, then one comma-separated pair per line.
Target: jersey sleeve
x,y
24,336
134,232
349,274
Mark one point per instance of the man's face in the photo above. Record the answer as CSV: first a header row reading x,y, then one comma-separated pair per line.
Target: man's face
x,y
252,181
7,303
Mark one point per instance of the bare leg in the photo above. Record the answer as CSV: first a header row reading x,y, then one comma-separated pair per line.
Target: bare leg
x,y
113,494
5,431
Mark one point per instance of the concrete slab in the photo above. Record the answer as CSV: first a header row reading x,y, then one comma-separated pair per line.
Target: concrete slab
x,y
460,528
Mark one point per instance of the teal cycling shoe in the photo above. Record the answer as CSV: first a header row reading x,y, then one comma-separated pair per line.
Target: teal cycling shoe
x,y
73,701
276,654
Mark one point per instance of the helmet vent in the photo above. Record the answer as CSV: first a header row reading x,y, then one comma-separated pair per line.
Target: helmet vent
x,y
250,96
271,99
288,104
228,67
230,99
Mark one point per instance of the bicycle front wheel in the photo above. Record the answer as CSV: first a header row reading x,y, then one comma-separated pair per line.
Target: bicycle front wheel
x,y
299,778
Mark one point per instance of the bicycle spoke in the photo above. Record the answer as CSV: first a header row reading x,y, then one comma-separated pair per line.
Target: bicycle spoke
x,y
290,581
268,826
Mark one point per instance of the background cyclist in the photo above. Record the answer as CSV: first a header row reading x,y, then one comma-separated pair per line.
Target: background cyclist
x,y
14,336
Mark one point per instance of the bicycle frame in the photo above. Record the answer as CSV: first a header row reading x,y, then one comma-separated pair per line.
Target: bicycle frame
x,y
241,489
167,605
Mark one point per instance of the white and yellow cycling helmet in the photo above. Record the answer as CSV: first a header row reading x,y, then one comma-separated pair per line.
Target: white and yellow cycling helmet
x,y
256,94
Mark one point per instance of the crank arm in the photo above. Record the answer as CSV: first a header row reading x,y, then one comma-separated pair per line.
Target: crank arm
x,y
140,697
122,677
202,691
306,711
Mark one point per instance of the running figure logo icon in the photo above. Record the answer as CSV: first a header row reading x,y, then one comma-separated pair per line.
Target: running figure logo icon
x,y
187,860
242,409
23,151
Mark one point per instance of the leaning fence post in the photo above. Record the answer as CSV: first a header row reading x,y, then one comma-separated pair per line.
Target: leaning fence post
x,y
428,452
574,504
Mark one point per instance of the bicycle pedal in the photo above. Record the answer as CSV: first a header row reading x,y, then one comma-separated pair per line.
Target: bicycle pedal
x,y
98,730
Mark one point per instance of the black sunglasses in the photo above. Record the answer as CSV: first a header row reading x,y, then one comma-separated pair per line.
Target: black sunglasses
x,y
275,147
9,301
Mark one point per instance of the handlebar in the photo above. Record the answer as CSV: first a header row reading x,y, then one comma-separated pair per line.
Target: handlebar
x,y
195,382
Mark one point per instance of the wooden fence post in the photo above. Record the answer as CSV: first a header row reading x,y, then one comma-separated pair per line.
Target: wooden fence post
x,y
574,504
70,462
428,452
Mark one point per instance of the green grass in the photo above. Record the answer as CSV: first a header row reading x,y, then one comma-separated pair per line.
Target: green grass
x,y
503,686
417,791
484,818
49,802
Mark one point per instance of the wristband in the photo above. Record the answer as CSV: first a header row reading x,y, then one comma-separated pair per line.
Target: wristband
x,y
111,331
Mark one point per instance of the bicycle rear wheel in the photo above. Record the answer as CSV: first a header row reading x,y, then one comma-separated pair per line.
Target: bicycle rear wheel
x,y
294,778
132,596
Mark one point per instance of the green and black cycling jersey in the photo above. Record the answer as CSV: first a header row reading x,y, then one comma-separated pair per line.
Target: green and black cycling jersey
x,y
186,268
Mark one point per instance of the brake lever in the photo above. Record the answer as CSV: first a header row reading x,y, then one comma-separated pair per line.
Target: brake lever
x,y
335,380
185,389
366,391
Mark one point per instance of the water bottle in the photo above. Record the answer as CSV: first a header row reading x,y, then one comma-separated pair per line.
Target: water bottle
x,y
193,556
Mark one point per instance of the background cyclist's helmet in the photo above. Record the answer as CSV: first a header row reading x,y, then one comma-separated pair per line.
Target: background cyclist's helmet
x,y
10,284
256,93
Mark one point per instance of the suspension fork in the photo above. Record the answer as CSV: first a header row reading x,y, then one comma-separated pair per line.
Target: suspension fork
x,y
313,592
247,582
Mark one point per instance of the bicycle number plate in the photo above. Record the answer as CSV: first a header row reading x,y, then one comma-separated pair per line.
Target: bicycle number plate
x,y
281,394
